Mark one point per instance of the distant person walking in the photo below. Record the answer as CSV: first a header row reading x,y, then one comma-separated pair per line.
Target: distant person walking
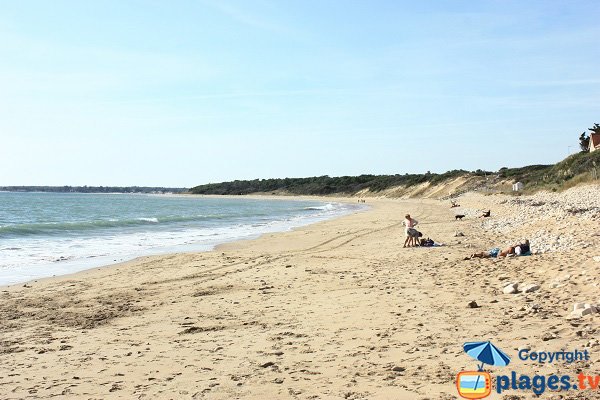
x,y
410,231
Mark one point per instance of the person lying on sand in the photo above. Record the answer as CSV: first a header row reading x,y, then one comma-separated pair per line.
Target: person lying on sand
x,y
453,204
485,254
429,243
485,214
516,250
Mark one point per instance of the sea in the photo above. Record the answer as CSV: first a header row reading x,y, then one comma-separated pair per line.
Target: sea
x,y
51,234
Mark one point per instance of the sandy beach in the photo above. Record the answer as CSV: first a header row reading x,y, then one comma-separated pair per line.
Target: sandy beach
x,y
334,310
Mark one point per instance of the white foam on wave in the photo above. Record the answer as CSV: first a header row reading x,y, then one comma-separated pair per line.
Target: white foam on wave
x,y
326,207
44,257
154,220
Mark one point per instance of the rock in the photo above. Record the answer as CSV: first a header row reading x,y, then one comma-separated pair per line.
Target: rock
x,y
473,304
593,343
583,309
591,307
278,380
581,312
533,308
548,336
524,348
510,289
530,288
458,234
398,369
267,364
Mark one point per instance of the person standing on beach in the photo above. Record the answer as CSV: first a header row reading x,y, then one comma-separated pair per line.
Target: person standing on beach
x,y
410,230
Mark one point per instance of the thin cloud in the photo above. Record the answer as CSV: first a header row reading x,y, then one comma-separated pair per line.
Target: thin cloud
x,y
249,19
565,82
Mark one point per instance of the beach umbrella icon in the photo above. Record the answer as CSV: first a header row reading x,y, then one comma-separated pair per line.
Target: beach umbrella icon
x,y
486,353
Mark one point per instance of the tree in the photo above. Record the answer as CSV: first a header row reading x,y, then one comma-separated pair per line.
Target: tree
x,y
584,142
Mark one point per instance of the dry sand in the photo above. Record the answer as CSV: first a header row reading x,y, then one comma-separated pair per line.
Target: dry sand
x,y
333,310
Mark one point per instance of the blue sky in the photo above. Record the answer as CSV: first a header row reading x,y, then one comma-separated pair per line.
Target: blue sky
x,y
182,93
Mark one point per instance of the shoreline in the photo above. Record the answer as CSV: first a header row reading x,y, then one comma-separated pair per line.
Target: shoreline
x,y
104,261
336,309
159,257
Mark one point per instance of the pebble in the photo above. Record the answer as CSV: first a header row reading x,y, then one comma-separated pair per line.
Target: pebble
x,y
548,336
510,289
581,312
582,309
473,304
531,288
593,343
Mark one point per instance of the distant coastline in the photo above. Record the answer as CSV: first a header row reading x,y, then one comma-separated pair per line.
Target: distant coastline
x,y
582,167
93,189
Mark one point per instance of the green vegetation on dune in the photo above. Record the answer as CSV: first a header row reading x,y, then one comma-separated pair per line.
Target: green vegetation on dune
x,y
574,169
324,185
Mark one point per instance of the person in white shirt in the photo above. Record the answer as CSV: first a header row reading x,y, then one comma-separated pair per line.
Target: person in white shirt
x,y
411,232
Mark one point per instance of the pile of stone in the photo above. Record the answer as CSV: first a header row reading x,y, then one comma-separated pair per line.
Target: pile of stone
x,y
582,203
514,288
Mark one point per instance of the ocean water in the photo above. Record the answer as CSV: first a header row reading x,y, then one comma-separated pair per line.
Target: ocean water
x,y
47,234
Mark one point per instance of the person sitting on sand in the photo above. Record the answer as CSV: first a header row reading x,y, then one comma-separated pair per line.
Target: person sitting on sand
x,y
485,214
410,231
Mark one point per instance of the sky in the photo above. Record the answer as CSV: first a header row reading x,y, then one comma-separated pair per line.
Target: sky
x,y
181,93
